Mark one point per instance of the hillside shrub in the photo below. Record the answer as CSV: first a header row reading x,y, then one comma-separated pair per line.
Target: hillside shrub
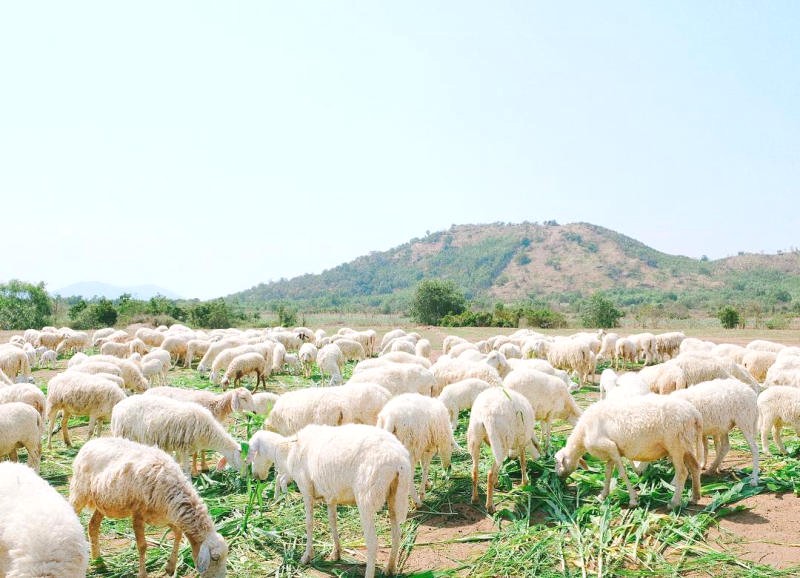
x,y
729,317
434,299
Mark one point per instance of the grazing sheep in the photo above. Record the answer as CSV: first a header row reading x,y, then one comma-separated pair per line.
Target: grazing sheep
x,y
390,335
151,337
20,426
423,348
182,427
221,405
695,345
74,342
642,428
354,463
461,395
77,359
40,535
422,424
399,378
627,385
758,362
48,359
449,341
625,351
608,381
195,347
24,392
330,361
732,351
608,347
245,364
392,357
778,405
131,375
351,349
225,358
75,393
215,349
450,371
549,398
14,363
668,344
263,402
572,355
177,345
503,419
785,370
764,345
49,339
119,478
307,354
154,371
645,347
725,404
120,350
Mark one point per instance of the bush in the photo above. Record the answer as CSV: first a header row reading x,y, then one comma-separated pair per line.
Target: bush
x,y
598,311
100,313
728,317
24,305
434,299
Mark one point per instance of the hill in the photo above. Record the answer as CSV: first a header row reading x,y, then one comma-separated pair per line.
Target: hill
x,y
509,263
89,289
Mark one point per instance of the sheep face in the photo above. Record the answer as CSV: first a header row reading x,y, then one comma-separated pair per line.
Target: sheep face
x,y
565,464
211,556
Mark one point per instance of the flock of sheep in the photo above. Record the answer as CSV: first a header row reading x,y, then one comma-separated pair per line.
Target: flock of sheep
x,y
356,442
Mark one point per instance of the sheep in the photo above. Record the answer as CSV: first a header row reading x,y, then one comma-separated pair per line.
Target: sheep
x,y
785,371
116,335
136,345
291,363
330,361
449,341
120,350
390,335
758,362
689,369
215,349
449,371
608,347
351,349
725,404
778,405
627,385
184,428
608,381
644,428
131,374
177,345
423,348
336,405
422,424
24,392
288,339
695,345
49,340
48,359
245,364
624,351
195,347
278,357
20,426
764,345
154,371
392,357
263,402
354,463
668,345
401,344
460,349
461,395
307,354
159,354
572,355
549,398
504,419
119,478
399,378
14,363
151,337
730,350
645,347
73,342
76,359
40,534
92,366
31,336
75,393
365,338
544,366
223,360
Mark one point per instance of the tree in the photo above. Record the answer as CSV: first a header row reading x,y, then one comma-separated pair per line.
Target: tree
x,y
24,305
728,317
214,314
435,298
598,311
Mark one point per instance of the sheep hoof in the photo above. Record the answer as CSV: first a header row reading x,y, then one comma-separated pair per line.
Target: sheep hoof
x,y
305,559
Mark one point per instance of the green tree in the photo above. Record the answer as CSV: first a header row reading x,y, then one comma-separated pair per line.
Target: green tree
x,y
728,317
214,314
287,314
24,305
599,311
435,298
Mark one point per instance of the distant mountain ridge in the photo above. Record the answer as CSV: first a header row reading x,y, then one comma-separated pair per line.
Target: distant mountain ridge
x,y
89,289
505,262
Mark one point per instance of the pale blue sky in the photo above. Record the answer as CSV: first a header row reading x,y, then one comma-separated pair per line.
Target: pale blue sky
x,y
207,147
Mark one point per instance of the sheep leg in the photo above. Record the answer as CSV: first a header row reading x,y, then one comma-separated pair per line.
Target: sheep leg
x,y
474,479
491,480
679,481
424,483
94,532
776,435
474,440
704,458
546,435
65,429
51,419
764,436
141,544
750,436
12,455
721,444
607,449
395,525
370,537
308,502
523,467
336,553
607,481
92,425
173,557
35,455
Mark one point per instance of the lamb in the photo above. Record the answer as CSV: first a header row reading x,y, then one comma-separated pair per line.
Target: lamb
x,y
24,392
307,354
181,427
40,534
119,478
351,349
461,395
725,404
642,428
14,363
151,337
223,360
572,355
330,361
758,362
447,372
73,342
245,364
120,350
195,347
399,378
75,393
422,424
48,359
778,405
20,426
625,351
346,464
154,371
549,398
215,349
504,419
263,402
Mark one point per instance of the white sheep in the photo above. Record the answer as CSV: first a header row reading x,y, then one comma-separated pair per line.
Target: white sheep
x,y
48,359
423,348
645,347
461,395
690,368
154,371
263,402
785,371
765,345
245,364
572,355
194,348
422,424
181,427
221,405
624,351
215,349
354,463
40,535
226,356
549,398
449,341
20,426
76,393
644,428
399,378
503,419
150,336
24,392
14,363
725,404
392,357
668,344
73,342
390,335
76,359
131,375
608,381
351,349
119,478
544,366
758,362
177,345
778,405
120,350
450,371
608,347
307,354
730,350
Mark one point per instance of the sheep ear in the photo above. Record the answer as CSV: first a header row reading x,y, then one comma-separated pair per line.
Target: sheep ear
x,y
582,463
235,402
203,558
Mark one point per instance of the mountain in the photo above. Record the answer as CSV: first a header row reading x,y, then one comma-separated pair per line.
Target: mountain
x,y
89,289
503,262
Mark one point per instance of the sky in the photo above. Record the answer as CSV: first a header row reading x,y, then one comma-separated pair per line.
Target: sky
x,y
206,147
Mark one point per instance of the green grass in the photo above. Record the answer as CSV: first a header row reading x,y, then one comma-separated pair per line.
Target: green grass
x,y
548,528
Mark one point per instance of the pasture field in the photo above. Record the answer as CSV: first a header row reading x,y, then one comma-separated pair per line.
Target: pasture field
x,y
547,528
